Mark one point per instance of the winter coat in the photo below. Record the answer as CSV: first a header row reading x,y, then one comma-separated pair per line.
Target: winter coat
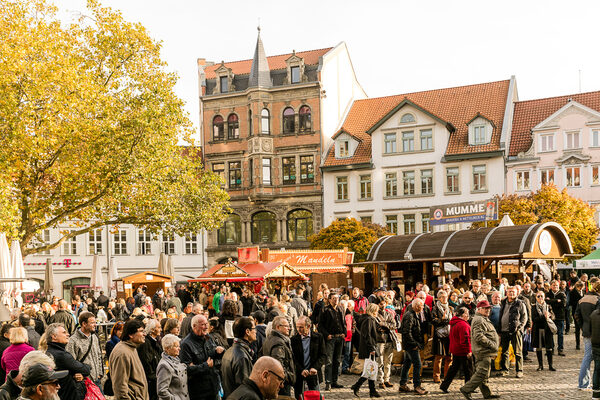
x,y
558,302
261,335
595,325
460,337
64,317
12,356
385,324
70,389
586,306
412,335
236,365
331,322
278,346
484,339
171,378
300,305
247,391
33,337
517,316
110,345
540,323
203,381
316,352
78,346
10,390
368,337
127,373
150,354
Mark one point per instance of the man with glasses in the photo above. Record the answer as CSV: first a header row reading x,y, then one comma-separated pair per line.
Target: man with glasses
x,y
126,369
467,302
237,360
278,346
264,383
333,328
40,382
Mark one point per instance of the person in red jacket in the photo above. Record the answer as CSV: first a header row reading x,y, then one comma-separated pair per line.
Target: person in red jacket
x,y
460,348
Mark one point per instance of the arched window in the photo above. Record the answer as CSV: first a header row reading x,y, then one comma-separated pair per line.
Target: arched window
x,y
289,120
264,227
218,128
264,122
300,225
231,231
305,119
406,118
233,127
249,122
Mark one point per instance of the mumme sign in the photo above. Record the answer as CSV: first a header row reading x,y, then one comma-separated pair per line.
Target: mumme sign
x,y
471,211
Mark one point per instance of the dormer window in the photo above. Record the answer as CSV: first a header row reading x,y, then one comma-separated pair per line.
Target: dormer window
x,y
344,148
407,119
479,134
224,83
480,130
295,74
295,70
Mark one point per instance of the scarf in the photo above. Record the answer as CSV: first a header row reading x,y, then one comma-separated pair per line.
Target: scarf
x,y
445,308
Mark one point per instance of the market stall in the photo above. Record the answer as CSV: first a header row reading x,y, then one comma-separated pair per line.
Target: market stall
x,y
153,281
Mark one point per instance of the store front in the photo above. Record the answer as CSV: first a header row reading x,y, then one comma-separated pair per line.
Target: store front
x,y
75,286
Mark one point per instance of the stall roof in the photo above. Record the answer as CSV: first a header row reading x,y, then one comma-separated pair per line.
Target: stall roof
x,y
519,241
134,277
249,272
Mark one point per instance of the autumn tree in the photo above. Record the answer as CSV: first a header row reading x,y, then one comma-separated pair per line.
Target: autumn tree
x,y
551,204
92,130
350,233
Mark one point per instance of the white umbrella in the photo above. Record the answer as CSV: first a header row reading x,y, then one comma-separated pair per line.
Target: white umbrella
x,y
162,265
96,281
5,267
16,259
170,267
113,274
48,278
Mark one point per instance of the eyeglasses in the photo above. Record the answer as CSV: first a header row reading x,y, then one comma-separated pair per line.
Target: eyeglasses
x,y
277,376
539,296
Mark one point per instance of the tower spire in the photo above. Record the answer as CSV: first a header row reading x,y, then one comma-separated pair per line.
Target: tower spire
x,y
260,73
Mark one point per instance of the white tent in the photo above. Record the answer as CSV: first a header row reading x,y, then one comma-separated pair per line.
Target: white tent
x,y
5,265
16,260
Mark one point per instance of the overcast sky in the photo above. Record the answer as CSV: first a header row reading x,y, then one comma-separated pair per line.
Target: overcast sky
x,y
396,46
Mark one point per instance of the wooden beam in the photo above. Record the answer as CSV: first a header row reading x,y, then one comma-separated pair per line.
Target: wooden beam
x,y
425,273
487,265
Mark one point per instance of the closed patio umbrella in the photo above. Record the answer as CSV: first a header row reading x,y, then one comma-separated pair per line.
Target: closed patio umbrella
x,y
5,265
170,267
113,274
162,265
16,260
96,281
49,278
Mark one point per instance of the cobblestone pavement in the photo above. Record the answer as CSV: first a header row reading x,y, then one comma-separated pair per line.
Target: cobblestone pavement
x,y
561,384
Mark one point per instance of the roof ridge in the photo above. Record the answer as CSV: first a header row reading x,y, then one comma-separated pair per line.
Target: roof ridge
x,y
276,55
557,97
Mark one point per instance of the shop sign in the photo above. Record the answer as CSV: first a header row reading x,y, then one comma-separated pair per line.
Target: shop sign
x,y
472,211
303,259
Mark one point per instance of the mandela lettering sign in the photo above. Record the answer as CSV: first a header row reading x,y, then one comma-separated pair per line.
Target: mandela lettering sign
x,y
472,211
303,259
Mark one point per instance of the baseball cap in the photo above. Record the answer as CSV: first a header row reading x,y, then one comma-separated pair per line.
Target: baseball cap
x,y
40,373
484,304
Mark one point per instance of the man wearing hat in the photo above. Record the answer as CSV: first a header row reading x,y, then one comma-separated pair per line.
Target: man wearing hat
x,y
484,344
40,382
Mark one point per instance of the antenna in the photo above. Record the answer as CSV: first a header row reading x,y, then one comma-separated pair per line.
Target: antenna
x,y
579,81
258,27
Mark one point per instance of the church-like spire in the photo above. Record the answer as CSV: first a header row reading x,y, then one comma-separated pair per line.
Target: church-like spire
x,y
260,74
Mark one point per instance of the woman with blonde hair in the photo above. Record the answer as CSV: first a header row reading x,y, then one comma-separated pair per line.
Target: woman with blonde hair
x,y
12,356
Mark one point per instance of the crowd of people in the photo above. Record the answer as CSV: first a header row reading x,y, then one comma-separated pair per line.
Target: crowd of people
x,y
227,342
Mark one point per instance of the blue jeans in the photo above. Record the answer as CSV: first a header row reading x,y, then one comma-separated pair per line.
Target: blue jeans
x,y
560,329
411,357
347,359
584,371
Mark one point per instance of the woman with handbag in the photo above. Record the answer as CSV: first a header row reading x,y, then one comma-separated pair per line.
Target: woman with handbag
x,y
441,316
541,333
368,346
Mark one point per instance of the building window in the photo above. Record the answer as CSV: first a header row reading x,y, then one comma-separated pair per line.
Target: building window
x,y
479,181
95,241
70,245
235,174
168,243
523,180
409,224
426,139
295,72
572,140
40,239
596,138
425,222
427,181
391,223
144,243
391,184
233,127
289,170
452,180
365,186
300,225
249,122
307,169
546,142
264,122
366,219
407,118
547,177
408,141
218,128
573,177
223,82
266,171
305,119
342,187
264,227
595,180
409,182
219,169
389,143
479,134
251,172
191,243
344,148
120,242
231,231
289,120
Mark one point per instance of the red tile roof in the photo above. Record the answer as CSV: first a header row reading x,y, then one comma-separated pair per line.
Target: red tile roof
x,y
456,105
311,57
530,113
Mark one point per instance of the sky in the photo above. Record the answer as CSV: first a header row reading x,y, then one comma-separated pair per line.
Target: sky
x,y
396,46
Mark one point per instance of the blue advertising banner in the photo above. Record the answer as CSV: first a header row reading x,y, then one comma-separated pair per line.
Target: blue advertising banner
x,y
471,211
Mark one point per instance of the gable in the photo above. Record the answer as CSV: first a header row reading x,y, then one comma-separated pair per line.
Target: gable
x,y
572,107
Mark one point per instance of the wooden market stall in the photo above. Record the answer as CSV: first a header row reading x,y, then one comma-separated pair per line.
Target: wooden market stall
x,y
153,281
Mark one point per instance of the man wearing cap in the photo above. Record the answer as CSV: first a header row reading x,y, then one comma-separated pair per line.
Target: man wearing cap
x,y
484,344
40,382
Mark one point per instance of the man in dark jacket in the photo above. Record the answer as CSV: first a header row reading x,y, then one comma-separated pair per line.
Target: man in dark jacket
x,y
557,299
186,324
412,342
150,353
102,300
529,323
261,332
333,329
586,306
513,320
236,364
319,306
264,382
203,358
278,346
308,349
575,295
63,316
595,339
